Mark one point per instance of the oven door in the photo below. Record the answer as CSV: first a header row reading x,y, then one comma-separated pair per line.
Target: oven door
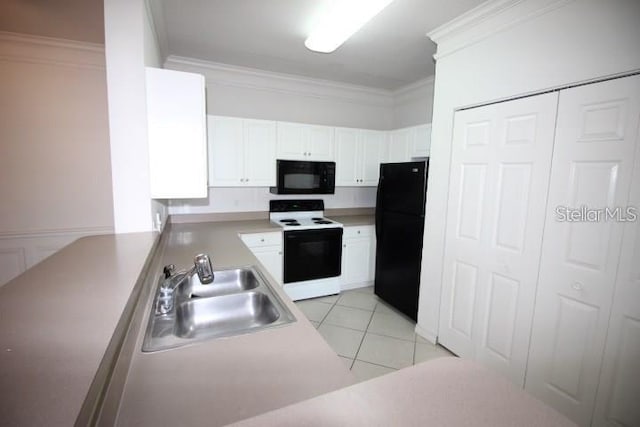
x,y
312,254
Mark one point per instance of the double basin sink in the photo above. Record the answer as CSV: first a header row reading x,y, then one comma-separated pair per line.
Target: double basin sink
x,y
238,301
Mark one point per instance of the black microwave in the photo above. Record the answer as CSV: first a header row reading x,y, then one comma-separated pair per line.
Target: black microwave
x,y
304,177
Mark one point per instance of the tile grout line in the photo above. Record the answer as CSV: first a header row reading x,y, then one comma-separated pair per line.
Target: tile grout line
x,y
363,336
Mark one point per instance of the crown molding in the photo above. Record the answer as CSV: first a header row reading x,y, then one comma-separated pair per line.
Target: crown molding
x,y
27,48
488,19
243,77
413,91
158,24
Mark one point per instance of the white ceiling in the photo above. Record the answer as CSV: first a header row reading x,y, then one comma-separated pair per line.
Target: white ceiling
x,y
390,52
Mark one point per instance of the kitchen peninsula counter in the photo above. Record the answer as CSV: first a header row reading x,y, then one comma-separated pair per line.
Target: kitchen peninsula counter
x,y
223,380
56,323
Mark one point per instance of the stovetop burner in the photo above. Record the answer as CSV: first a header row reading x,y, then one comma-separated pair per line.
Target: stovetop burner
x,y
300,214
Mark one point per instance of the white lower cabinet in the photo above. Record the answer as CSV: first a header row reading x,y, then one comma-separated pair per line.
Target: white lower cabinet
x,y
267,248
541,279
358,257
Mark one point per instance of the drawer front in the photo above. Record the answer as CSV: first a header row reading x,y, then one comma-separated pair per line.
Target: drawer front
x,y
358,231
255,240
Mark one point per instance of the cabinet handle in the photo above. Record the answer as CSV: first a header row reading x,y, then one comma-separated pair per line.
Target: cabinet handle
x,y
577,286
280,253
241,179
246,180
344,246
358,231
262,240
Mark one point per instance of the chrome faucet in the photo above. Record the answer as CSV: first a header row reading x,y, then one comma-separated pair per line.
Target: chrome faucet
x,y
172,280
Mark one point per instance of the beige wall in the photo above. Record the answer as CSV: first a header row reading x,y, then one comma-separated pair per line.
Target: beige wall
x,y
55,172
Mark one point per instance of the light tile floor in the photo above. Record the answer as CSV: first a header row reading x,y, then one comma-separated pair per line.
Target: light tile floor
x,y
370,336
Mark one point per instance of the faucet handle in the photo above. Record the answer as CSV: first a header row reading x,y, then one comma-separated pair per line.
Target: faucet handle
x,y
168,270
204,268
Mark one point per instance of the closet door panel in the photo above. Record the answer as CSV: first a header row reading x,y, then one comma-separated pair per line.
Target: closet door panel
x,y
616,401
592,168
500,170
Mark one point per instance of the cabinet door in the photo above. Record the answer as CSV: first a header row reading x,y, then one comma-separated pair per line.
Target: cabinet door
x,y
371,154
226,152
358,257
271,259
421,141
592,168
501,157
260,153
347,162
291,141
319,141
177,134
399,145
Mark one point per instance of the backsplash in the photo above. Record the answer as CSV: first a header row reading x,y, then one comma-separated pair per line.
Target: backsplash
x,y
252,199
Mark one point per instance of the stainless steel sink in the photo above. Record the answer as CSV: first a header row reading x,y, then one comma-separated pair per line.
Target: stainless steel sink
x,y
221,315
225,282
238,301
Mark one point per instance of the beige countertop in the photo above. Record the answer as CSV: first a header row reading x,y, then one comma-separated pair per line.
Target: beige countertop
x,y
442,392
353,220
224,380
56,323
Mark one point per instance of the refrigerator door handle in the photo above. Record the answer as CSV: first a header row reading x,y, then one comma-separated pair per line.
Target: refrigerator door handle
x,y
379,208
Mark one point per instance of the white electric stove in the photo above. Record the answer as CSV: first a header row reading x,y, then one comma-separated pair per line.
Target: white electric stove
x,y
312,260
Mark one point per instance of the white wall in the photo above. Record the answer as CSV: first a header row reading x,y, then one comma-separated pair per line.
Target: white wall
x,y
242,92
125,22
527,47
55,179
256,199
413,104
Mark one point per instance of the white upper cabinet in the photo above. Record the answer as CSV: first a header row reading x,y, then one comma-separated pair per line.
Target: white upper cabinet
x,y
347,160
407,143
177,134
372,152
421,141
241,152
297,141
359,153
399,146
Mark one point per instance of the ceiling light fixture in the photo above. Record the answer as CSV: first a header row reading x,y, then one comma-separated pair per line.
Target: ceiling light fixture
x,y
340,20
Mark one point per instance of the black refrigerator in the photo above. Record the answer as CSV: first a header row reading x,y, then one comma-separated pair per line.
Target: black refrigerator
x,y
399,228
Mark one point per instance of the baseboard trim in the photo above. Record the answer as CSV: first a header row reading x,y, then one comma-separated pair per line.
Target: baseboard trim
x,y
350,286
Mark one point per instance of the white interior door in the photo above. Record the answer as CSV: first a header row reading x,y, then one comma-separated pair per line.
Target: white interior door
x,y
592,169
619,387
499,178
